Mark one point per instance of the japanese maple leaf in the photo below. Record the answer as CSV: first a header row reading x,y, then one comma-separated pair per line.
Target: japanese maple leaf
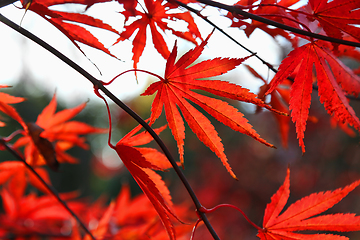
x,y
333,79
174,90
156,12
337,17
141,162
299,216
136,218
54,130
5,100
133,216
271,9
17,176
101,231
33,215
64,21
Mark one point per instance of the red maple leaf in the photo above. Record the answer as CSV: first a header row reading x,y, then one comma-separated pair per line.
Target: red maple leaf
x,y
271,9
64,21
299,216
33,215
17,176
5,100
176,87
337,17
156,12
141,162
133,216
53,134
102,228
333,79
136,218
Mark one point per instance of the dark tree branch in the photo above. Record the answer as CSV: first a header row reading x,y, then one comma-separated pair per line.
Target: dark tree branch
x,y
128,110
47,186
235,10
4,3
271,67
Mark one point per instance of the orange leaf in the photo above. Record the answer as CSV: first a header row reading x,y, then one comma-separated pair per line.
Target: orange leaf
x,y
54,131
297,217
154,17
64,21
5,100
274,13
330,72
17,175
176,87
140,165
136,218
102,227
46,215
331,15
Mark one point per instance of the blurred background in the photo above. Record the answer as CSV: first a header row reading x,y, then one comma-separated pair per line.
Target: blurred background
x,y
332,157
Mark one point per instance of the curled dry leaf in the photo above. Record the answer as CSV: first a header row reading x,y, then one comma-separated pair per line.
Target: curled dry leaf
x,y
44,146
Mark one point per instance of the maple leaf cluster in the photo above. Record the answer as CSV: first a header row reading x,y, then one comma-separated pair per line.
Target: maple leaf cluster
x,y
155,13
45,142
312,64
42,217
316,62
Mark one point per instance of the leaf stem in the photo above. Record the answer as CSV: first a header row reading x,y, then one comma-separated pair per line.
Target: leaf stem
x,y
12,135
131,70
205,210
194,228
97,84
226,34
270,66
47,186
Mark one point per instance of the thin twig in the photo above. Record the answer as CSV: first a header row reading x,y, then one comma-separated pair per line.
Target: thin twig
x,y
225,33
234,207
118,102
4,3
47,186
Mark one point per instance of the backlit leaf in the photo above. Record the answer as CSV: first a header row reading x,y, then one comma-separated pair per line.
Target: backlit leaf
x,y
331,76
175,91
155,13
299,216
140,166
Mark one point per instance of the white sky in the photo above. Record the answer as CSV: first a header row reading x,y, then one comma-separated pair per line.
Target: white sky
x,y
18,53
